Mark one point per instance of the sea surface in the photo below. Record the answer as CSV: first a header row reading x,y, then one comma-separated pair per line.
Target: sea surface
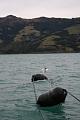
x,y
17,97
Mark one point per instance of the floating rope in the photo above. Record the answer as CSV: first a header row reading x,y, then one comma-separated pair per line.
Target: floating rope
x,y
74,96
34,91
36,101
52,82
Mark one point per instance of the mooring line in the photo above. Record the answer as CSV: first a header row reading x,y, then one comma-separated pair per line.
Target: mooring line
x,y
52,82
74,96
34,91
36,100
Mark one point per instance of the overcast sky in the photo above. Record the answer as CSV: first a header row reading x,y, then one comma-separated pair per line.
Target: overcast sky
x,y
38,8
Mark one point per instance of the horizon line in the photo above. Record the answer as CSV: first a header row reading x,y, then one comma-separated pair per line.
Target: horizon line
x,y
38,17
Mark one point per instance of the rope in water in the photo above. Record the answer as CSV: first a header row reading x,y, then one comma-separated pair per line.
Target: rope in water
x,y
36,101
74,96
52,82
34,91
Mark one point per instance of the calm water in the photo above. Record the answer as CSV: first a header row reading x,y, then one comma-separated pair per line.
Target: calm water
x,y
17,99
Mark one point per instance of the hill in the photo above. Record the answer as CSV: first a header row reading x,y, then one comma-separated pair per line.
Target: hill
x,y
39,35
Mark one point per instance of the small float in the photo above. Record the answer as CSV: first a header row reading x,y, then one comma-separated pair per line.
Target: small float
x,y
37,77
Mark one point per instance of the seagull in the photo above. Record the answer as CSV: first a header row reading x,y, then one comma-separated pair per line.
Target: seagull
x,y
44,69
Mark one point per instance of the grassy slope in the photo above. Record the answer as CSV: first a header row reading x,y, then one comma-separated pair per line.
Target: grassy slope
x,y
39,35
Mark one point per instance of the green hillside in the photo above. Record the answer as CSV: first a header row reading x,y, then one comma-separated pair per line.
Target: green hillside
x,y
39,35
74,29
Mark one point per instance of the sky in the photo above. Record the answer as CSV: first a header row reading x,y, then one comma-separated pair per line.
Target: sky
x,y
38,8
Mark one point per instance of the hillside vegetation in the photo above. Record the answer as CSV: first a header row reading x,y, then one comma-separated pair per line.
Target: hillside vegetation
x,y
39,35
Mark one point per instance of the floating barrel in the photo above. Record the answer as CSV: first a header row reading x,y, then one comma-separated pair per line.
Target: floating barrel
x,y
52,97
38,77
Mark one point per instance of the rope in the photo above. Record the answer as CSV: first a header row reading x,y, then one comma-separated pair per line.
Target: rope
x,y
34,91
74,97
40,113
52,82
36,101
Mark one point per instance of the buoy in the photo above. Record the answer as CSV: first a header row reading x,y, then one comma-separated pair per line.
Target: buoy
x,y
38,77
52,97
